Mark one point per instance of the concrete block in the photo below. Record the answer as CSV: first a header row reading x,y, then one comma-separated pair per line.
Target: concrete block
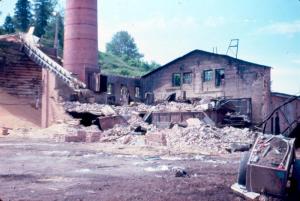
x,y
156,139
106,123
80,136
93,136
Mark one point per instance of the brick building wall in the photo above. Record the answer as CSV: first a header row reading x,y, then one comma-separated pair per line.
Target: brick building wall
x,y
241,80
132,85
31,87
287,114
19,76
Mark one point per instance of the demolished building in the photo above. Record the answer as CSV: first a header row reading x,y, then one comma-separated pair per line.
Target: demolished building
x,y
33,76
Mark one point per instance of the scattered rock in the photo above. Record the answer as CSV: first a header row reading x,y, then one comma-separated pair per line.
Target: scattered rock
x,y
179,172
192,122
4,131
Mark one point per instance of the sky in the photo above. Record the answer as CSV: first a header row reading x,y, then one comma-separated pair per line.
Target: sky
x,y
269,30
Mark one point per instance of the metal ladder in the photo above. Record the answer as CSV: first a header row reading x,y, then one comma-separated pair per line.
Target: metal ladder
x,y
44,61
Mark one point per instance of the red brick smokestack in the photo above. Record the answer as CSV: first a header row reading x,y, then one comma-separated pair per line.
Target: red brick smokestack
x,y
81,38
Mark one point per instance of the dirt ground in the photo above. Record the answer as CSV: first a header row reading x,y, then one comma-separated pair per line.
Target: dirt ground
x,y
44,170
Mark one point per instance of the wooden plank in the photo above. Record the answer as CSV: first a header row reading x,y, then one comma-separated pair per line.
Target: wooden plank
x,y
241,190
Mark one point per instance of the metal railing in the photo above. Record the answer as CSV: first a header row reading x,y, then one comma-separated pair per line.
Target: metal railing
x,y
43,60
265,122
291,127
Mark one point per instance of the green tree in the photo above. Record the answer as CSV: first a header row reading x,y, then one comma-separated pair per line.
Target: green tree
x,y
43,10
9,26
23,15
123,45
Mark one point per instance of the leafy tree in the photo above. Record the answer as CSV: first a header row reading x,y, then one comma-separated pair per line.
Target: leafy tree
x,y
23,15
9,26
123,45
43,10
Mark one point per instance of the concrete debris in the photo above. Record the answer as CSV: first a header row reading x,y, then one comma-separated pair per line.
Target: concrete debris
x,y
96,109
235,147
211,138
194,133
193,122
156,139
108,122
4,131
126,125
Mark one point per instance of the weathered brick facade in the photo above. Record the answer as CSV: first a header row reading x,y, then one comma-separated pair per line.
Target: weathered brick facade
x,y
287,114
241,80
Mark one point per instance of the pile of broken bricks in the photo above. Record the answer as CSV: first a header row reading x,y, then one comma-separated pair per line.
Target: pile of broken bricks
x,y
125,124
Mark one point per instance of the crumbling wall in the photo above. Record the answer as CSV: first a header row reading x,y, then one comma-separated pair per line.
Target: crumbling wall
x,y
117,82
287,114
242,80
19,76
20,86
31,89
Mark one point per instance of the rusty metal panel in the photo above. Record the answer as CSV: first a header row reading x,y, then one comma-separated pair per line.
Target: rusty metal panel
x,y
155,118
164,117
266,179
176,117
187,115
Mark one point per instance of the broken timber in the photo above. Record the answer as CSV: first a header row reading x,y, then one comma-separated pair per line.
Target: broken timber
x,y
162,119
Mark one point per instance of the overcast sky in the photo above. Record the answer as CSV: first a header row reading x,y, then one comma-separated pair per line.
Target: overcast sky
x,y
269,30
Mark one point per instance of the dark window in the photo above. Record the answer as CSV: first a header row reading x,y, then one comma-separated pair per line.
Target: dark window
x,y
110,88
207,75
93,81
103,83
137,92
187,78
176,80
124,90
220,76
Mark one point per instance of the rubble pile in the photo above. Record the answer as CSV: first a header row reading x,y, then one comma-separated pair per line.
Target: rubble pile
x,y
106,110
135,131
206,136
96,109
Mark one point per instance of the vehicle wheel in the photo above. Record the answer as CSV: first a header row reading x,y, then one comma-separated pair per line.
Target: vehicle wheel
x,y
243,168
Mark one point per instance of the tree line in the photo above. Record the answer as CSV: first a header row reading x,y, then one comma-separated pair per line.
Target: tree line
x,y
37,13
41,15
123,46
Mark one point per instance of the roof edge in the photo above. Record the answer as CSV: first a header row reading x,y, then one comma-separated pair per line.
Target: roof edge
x,y
204,52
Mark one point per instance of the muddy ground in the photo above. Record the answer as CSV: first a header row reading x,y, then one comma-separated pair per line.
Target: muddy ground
x,y
35,170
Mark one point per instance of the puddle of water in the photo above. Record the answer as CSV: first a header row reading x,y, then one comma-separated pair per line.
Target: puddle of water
x,y
84,171
160,168
126,156
55,179
152,158
171,158
209,160
56,153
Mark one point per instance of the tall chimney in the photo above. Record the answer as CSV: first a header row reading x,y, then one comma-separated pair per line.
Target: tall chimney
x,y
81,38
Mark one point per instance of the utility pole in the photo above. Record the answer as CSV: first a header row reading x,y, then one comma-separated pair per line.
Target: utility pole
x,y
215,50
233,47
55,45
